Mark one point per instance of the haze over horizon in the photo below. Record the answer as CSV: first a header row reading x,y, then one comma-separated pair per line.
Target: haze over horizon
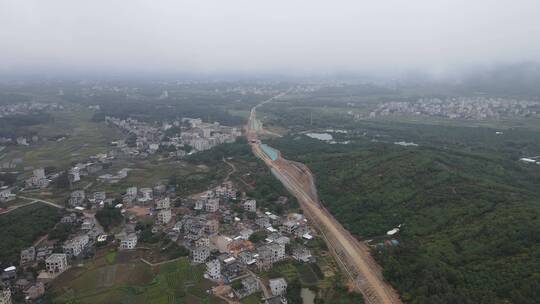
x,y
287,37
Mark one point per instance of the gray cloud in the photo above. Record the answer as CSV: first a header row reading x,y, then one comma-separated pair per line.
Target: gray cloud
x,y
267,36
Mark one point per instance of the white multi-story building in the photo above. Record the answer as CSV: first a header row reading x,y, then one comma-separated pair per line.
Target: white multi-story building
x,y
213,269
278,286
128,241
56,263
164,203
164,216
212,205
250,205
200,254
75,246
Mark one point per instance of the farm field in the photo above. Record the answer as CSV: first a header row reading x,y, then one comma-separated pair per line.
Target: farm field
x,y
118,278
83,139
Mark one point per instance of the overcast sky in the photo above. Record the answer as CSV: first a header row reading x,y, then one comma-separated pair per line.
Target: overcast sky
x,y
267,36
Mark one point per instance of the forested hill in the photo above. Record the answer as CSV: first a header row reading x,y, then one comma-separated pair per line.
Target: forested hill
x,y
470,223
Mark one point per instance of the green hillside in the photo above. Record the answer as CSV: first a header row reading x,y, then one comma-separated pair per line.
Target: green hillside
x,y
470,223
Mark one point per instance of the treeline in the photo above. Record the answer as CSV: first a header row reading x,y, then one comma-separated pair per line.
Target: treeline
x,y
153,111
13,126
109,217
238,149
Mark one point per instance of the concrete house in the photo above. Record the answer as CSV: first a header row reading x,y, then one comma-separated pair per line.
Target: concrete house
x,y
56,263
164,203
76,199
163,216
263,221
200,254
35,291
250,205
213,269
6,195
5,294
128,241
75,246
202,242
199,205
212,205
38,179
146,195
278,286
245,233
250,285
212,226
74,174
301,253
28,255
99,197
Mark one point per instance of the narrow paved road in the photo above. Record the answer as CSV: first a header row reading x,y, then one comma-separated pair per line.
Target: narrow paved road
x,y
55,205
233,169
32,201
353,257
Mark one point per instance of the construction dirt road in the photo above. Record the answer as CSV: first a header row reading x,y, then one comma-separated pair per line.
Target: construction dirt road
x,y
353,256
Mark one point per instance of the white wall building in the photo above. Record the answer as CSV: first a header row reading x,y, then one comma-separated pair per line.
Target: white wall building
x,y
128,242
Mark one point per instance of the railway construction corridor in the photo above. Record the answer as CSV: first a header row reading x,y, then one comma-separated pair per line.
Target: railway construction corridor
x,y
353,256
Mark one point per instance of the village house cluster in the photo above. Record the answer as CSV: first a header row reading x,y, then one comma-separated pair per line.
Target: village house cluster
x,y
222,228
216,230
477,108
187,135
26,108
51,258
